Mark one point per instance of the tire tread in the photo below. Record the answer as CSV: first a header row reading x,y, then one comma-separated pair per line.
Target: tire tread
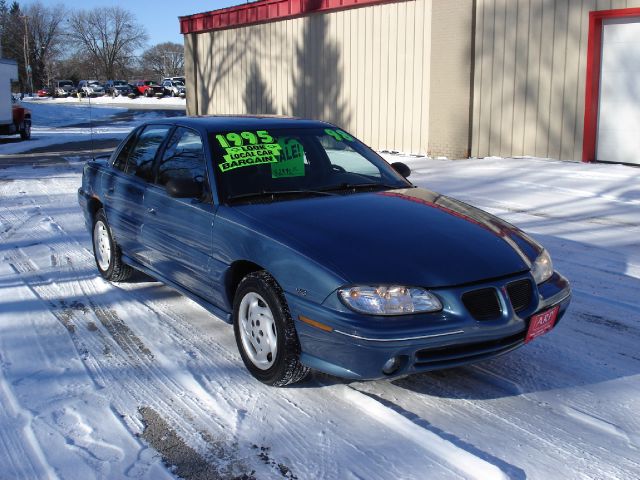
x,y
293,371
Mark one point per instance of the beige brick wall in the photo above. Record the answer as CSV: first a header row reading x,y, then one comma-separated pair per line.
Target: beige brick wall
x,y
450,95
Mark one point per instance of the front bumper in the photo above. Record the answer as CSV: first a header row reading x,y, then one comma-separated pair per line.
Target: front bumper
x,y
358,346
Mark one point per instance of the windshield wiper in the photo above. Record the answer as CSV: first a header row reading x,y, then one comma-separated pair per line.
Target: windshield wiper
x,y
357,186
274,193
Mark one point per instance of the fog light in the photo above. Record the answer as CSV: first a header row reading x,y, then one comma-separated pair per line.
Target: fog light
x,y
392,365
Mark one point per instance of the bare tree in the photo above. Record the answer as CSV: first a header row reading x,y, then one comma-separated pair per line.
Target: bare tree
x,y
164,60
12,36
108,36
44,27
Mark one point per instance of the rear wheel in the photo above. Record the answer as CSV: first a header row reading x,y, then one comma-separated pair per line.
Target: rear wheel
x,y
265,333
107,252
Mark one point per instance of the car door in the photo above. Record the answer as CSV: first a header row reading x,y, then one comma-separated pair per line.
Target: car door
x,y
178,232
125,189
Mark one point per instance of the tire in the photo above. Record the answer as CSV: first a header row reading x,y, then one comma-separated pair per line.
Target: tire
x,y
265,334
147,93
107,252
25,131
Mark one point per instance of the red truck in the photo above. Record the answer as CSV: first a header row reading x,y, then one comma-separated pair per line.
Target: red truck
x,y
149,88
14,119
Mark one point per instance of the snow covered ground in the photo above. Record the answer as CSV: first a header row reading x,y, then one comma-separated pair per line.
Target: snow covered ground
x,y
63,120
103,381
108,100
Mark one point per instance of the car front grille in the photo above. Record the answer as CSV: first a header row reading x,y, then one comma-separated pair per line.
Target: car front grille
x,y
483,304
520,294
443,357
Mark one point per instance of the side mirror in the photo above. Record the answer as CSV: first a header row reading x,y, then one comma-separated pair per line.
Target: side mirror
x,y
402,168
183,188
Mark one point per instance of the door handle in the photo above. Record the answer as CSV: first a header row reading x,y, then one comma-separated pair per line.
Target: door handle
x,y
111,190
151,211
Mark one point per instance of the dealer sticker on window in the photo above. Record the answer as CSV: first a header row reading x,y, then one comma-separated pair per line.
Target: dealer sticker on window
x,y
246,149
541,323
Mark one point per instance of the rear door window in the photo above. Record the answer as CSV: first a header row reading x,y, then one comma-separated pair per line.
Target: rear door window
x,y
140,160
120,161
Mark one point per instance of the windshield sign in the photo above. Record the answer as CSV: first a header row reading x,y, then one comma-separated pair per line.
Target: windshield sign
x,y
310,161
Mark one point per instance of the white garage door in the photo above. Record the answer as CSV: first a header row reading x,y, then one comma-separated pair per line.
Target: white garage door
x,y
619,111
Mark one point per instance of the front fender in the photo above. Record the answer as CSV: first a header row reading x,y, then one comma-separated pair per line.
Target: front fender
x,y
295,272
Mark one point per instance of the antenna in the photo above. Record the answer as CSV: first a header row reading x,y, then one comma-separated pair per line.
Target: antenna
x,y
91,128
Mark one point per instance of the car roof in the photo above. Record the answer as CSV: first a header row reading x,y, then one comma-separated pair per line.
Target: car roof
x,y
221,123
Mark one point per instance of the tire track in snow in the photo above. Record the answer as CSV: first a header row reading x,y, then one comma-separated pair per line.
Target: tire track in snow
x,y
18,443
99,369
128,367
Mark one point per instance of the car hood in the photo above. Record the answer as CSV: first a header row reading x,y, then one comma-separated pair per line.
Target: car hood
x,y
408,236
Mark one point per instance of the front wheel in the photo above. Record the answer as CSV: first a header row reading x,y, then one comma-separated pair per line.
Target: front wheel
x,y
25,131
107,252
265,333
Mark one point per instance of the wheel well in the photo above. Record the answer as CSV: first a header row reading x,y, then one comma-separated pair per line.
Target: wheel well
x,y
237,271
94,205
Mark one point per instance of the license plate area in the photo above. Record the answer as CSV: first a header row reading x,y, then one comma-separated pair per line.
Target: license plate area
x,y
541,323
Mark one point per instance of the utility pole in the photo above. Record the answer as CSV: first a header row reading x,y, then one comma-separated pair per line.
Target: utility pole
x,y
27,66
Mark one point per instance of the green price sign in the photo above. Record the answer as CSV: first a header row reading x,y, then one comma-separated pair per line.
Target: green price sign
x,y
339,135
245,149
291,163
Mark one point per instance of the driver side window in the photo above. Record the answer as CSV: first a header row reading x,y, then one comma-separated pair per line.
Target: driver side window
x,y
183,159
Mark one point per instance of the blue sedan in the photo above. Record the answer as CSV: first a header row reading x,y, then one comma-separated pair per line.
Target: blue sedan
x,y
321,254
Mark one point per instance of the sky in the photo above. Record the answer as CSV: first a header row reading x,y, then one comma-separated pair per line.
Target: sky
x,y
160,17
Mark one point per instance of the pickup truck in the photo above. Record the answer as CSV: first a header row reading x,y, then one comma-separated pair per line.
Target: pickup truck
x,y
14,119
149,88
20,122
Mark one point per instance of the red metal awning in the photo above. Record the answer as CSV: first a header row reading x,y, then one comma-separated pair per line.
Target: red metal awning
x,y
265,11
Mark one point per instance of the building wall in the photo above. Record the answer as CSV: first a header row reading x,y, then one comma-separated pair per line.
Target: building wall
x,y
451,67
530,73
365,69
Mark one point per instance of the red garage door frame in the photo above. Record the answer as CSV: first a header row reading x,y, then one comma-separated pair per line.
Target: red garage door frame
x,y
592,93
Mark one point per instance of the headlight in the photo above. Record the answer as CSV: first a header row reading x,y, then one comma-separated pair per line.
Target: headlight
x,y
389,300
542,268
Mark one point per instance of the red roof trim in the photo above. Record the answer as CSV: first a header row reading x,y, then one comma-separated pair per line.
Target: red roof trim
x,y
592,93
265,11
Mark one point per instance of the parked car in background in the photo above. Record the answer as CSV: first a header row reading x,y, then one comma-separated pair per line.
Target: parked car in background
x,y
175,79
116,88
174,88
45,92
63,88
90,88
320,253
149,88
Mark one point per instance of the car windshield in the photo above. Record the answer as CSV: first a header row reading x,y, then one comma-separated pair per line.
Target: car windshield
x,y
65,84
119,82
276,164
94,84
150,82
